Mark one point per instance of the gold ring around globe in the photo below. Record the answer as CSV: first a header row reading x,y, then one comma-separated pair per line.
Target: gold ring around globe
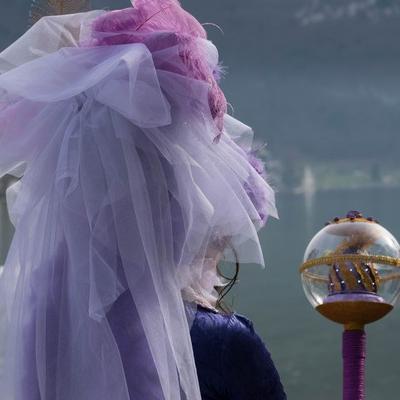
x,y
340,258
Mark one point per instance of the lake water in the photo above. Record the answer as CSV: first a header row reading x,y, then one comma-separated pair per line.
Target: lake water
x,y
305,347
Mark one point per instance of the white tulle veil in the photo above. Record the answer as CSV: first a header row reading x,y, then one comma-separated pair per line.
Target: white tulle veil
x,y
123,189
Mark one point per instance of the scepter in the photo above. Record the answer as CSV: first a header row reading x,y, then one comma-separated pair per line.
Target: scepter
x,y
350,275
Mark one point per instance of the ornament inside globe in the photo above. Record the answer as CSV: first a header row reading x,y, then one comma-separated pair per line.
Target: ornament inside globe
x,y
350,272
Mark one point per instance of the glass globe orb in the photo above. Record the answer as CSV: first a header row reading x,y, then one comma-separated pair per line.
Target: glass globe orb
x,y
352,259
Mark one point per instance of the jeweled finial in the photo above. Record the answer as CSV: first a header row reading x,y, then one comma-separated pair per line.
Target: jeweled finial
x,y
352,216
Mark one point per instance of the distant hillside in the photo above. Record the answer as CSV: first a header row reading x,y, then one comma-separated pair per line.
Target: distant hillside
x,y
324,91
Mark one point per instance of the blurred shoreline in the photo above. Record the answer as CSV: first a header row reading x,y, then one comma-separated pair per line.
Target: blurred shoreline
x,y
308,178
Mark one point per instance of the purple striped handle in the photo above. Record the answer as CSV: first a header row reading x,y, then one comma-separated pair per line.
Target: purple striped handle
x,y
354,353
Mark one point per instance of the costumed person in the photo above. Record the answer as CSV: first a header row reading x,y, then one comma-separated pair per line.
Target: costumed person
x,y
134,184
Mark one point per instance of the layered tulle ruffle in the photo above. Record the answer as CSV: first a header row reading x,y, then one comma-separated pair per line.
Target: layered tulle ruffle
x,y
123,189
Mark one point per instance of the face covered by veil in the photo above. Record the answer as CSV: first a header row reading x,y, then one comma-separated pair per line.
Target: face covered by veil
x,y
131,171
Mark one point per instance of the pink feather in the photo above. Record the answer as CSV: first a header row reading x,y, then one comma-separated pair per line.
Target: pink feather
x,y
163,16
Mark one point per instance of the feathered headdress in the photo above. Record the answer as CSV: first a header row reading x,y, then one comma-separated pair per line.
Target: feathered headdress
x,y
156,16
122,199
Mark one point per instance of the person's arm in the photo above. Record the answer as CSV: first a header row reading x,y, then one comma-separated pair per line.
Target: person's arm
x,y
248,370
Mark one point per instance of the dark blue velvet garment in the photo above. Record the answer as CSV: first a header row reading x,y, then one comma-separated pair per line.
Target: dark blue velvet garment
x,y
231,359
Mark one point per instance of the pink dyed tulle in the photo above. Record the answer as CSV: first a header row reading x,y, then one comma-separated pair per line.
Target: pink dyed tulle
x,y
134,25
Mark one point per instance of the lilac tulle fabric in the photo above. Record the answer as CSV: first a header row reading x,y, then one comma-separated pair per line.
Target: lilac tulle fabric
x,y
123,188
